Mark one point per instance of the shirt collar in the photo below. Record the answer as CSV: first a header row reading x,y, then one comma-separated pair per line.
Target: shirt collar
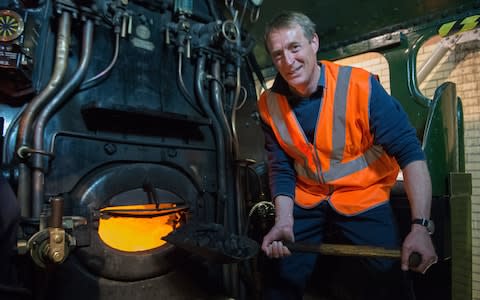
x,y
280,86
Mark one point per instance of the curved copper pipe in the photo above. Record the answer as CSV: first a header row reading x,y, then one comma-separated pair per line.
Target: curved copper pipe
x,y
50,109
31,111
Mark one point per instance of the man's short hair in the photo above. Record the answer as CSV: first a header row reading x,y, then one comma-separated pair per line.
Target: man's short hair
x,y
289,19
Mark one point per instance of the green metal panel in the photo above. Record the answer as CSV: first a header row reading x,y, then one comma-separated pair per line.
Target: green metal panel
x,y
401,74
460,189
441,136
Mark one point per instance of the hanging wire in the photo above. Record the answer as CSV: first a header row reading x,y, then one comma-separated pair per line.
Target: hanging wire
x,y
255,14
243,12
239,106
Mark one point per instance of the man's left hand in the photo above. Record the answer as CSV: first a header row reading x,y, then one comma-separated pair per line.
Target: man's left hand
x,y
418,240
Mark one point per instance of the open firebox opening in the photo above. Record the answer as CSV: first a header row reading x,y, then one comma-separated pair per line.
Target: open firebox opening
x,y
133,228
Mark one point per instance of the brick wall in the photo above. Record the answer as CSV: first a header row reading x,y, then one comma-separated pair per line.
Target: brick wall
x,y
374,63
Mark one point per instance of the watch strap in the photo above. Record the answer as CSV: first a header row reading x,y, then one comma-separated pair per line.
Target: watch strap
x,y
427,223
422,221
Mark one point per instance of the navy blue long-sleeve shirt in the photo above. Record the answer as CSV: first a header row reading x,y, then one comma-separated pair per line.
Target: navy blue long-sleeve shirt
x,y
388,121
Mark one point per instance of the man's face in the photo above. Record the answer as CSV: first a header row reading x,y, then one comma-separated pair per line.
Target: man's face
x,y
294,56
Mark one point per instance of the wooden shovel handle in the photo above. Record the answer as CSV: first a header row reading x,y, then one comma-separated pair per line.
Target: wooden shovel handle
x,y
353,250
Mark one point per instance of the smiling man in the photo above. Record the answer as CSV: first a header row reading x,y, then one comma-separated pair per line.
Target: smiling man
x,y
293,52
335,141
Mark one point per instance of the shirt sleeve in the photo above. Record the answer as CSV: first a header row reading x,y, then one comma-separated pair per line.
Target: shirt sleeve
x,y
280,166
391,127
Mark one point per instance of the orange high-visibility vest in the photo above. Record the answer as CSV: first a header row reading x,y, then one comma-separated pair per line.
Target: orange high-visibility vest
x,y
342,165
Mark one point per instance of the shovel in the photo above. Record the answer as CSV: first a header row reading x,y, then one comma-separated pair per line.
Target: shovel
x,y
213,243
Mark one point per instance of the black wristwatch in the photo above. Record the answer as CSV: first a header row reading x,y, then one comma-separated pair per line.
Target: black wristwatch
x,y
427,223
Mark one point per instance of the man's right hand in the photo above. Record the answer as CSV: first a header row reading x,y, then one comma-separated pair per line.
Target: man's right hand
x,y
272,242
282,230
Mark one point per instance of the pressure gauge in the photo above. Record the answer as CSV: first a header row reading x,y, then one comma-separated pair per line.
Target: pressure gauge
x,y
11,25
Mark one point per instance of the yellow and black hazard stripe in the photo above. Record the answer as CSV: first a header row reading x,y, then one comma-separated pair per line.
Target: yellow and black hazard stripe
x,y
458,26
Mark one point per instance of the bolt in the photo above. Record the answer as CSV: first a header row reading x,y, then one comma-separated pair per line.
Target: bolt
x,y
172,153
110,148
57,256
58,238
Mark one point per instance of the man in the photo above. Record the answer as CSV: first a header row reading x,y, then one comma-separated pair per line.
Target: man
x,y
335,141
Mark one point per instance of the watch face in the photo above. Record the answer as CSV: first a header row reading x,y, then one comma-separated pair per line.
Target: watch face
x,y
430,227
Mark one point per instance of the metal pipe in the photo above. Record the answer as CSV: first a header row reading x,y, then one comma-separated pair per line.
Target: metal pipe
x,y
234,113
24,189
33,108
218,99
61,59
91,82
49,110
431,62
218,135
183,88
57,212
218,106
213,10
232,219
238,85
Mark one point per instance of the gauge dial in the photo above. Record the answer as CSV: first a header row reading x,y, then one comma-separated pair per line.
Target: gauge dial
x,y
11,25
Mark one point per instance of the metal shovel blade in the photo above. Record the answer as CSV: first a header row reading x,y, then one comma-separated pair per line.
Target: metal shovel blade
x,y
212,242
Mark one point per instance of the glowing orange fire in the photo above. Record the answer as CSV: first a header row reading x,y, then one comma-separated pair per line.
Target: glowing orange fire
x,y
135,228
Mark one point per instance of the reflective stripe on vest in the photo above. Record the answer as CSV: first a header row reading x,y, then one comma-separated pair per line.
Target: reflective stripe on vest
x,y
337,169
276,115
